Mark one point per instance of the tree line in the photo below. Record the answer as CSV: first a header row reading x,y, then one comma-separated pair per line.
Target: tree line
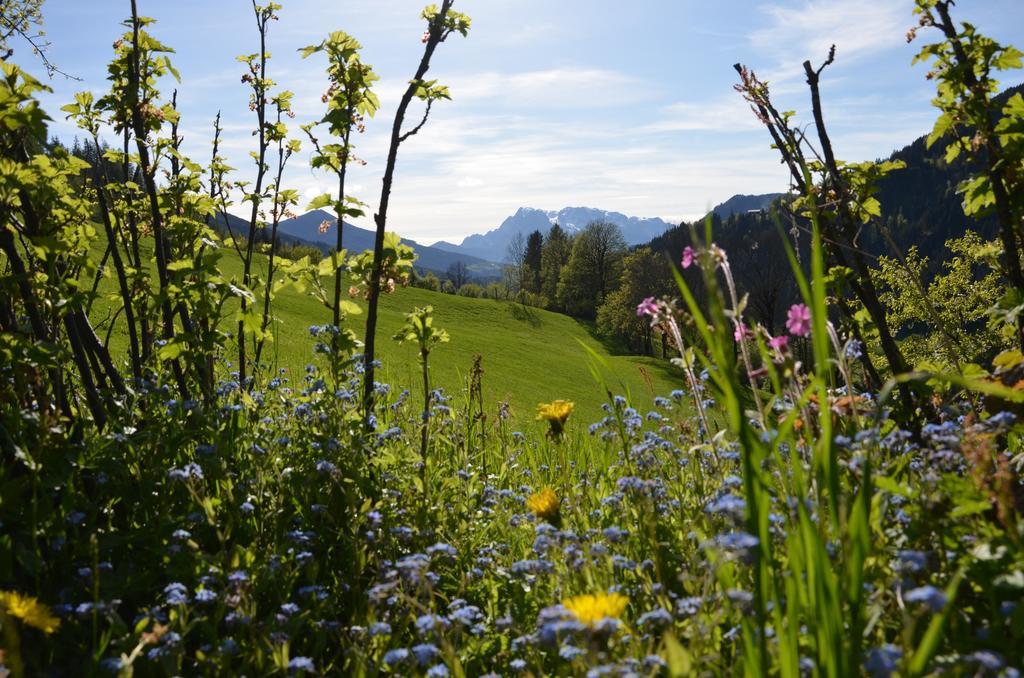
x,y
592,275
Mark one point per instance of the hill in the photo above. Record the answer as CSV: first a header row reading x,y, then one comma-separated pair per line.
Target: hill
x,y
307,227
529,355
740,204
240,226
920,204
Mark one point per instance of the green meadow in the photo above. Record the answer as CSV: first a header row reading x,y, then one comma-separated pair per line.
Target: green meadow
x,y
529,355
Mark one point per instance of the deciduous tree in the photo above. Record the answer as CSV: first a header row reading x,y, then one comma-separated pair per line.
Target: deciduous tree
x,y
593,269
644,274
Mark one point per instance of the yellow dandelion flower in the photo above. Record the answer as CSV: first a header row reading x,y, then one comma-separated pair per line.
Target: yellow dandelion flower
x,y
29,610
590,608
555,413
544,504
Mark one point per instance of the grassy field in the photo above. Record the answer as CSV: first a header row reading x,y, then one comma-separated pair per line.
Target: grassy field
x,y
529,355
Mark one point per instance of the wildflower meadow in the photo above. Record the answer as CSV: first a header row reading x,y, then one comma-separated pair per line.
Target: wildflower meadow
x,y
808,500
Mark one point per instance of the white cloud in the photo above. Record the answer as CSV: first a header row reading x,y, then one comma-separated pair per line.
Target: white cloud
x,y
566,87
548,167
730,114
550,127
857,28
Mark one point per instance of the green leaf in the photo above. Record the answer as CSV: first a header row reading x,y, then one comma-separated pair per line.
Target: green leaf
x,y
171,350
321,201
872,207
680,662
328,265
310,50
936,630
892,487
1008,359
942,126
970,508
251,321
349,307
1008,60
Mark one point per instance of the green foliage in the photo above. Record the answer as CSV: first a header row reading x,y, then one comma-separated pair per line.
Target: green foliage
x,y
963,65
949,321
453,22
428,282
592,270
532,256
471,290
554,256
860,180
349,100
644,274
140,62
496,291
396,264
45,241
419,328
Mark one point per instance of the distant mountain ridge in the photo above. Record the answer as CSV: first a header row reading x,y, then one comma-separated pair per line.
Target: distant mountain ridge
x,y
240,226
740,204
355,239
493,244
483,253
305,230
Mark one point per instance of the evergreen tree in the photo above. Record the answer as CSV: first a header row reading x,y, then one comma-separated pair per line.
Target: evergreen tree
x,y
554,255
532,262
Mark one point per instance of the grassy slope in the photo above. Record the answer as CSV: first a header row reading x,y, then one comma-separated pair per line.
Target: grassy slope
x,y
529,355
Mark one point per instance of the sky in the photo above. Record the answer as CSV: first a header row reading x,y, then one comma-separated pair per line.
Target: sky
x,y
623,106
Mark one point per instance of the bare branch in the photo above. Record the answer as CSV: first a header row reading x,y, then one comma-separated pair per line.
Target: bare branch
x,y
39,51
418,127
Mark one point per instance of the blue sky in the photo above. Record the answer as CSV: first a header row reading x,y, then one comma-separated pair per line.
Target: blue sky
x,y
619,106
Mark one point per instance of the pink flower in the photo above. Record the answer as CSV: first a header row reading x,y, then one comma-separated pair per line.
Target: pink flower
x,y
688,256
798,320
740,333
779,343
647,307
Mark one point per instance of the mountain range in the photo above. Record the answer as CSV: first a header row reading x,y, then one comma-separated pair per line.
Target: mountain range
x,y
483,253
493,244
305,230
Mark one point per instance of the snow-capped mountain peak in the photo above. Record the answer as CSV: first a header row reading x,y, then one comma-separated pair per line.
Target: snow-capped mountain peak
x,y
493,244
